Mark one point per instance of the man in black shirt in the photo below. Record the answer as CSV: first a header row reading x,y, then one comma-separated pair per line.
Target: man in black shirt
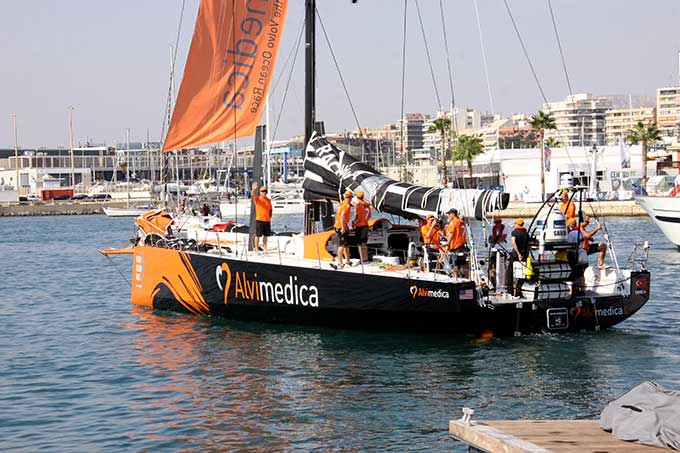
x,y
519,252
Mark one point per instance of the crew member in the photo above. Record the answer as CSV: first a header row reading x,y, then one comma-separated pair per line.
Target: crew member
x,y
362,212
590,246
342,229
431,234
497,244
263,216
519,252
456,240
567,206
584,237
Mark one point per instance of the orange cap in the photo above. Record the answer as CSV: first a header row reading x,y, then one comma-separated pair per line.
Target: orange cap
x,y
359,193
263,189
519,222
348,193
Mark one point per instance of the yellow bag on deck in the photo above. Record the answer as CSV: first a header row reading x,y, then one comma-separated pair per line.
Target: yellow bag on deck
x,y
529,270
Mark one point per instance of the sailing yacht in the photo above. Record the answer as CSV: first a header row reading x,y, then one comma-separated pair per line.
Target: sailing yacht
x,y
293,281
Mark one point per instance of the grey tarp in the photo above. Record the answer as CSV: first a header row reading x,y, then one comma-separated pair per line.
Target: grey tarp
x,y
649,414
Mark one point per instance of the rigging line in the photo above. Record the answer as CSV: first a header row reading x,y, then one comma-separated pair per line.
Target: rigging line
x,y
119,271
290,74
429,58
486,69
337,67
172,75
571,93
559,46
538,83
285,65
448,64
524,49
403,77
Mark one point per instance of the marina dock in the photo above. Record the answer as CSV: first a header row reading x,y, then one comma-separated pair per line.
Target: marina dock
x,y
541,436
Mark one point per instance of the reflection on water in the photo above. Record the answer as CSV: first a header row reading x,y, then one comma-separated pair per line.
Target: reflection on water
x,y
80,369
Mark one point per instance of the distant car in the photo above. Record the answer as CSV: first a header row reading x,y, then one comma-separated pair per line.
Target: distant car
x,y
60,197
80,196
101,196
33,197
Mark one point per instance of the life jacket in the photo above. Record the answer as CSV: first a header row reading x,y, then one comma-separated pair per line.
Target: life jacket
x,y
497,232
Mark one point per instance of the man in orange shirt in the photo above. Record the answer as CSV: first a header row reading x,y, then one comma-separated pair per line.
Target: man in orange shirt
x,y
431,234
567,207
263,217
456,239
342,229
362,212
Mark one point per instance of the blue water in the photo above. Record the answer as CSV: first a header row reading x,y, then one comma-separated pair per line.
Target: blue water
x,y
81,369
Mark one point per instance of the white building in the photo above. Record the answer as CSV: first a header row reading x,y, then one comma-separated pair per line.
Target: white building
x,y
580,120
520,168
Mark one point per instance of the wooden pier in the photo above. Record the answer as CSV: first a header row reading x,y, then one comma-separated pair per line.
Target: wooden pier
x,y
541,436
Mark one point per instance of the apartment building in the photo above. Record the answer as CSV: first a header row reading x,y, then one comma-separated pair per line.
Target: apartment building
x,y
411,126
462,119
580,120
668,110
618,122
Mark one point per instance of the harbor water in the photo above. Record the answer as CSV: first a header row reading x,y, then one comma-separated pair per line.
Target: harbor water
x,y
81,369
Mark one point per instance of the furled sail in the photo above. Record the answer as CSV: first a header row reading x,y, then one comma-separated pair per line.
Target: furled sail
x,y
329,171
228,71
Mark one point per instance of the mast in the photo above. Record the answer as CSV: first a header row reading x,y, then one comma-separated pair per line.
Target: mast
x,y
310,98
127,166
70,145
16,153
310,69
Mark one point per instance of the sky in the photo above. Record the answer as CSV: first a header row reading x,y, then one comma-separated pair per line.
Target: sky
x,y
111,61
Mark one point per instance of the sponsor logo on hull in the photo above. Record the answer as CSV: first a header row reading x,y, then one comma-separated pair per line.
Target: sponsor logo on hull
x,y
424,292
251,288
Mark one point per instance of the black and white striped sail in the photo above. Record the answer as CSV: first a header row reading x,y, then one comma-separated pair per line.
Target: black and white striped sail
x,y
329,171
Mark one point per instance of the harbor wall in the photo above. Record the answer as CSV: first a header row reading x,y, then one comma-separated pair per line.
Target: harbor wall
x,y
515,209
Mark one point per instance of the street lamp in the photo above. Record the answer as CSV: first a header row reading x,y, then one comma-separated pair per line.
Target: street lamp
x,y
592,186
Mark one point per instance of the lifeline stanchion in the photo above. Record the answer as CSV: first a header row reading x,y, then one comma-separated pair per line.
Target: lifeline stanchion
x,y
278,249
318,255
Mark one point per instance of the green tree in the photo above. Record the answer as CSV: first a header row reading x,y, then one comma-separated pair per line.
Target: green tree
x,y
541,122
645,133
552,142
467,148
442,125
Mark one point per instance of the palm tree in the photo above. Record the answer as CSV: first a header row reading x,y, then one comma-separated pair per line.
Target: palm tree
x,y
442,125
552,142
542,121
467,148
645,133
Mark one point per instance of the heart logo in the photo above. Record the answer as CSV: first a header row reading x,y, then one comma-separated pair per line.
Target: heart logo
x,y
227,271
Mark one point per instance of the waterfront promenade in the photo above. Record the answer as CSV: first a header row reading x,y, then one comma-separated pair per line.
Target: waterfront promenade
x,y
515,209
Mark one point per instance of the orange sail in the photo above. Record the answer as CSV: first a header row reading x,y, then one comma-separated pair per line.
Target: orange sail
x,y
228,71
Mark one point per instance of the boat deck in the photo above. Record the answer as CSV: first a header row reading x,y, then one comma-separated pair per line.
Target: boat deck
x,y
375,268
541,436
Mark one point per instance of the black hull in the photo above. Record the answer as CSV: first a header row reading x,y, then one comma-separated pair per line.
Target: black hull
x,y
198,283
